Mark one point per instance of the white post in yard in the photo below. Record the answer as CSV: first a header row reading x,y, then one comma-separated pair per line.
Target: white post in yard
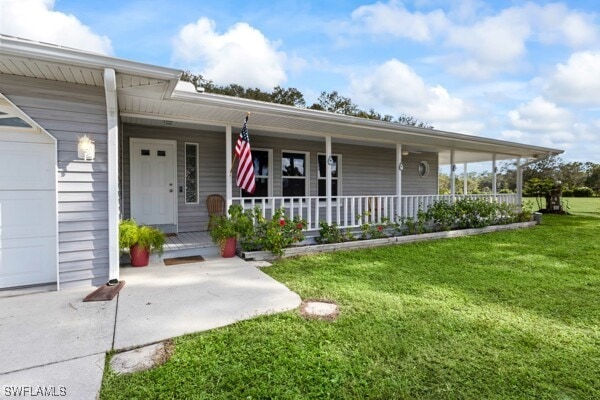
x,y
452,176
494,172
328,160
399,168
465,180
519,184
228,172
112,118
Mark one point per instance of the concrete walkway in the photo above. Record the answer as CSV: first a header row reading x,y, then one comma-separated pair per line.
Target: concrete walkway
x,y
56,343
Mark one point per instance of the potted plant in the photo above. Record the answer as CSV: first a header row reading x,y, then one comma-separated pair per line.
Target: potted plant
x,y
225,229
141,240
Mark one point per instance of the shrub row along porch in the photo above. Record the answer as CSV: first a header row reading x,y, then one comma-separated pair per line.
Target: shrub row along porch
x,y
352,211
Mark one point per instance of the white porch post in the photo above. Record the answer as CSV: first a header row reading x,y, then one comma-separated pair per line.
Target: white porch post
x,y
452,176
228,159
328,177
494,172
519,184
112,119
399,168
465,180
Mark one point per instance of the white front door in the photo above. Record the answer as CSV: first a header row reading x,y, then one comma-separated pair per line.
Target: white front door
x,y
27,209
153,181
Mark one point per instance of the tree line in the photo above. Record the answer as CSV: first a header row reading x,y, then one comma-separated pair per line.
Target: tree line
x,y
580,179
332,101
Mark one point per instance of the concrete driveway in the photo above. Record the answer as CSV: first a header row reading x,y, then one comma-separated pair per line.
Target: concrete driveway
x,y
55,343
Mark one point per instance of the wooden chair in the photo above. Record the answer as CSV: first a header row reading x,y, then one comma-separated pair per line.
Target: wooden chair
x,y
215,204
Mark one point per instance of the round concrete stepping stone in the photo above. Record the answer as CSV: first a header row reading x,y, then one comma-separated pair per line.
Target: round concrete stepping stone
x,y
319,309
142,358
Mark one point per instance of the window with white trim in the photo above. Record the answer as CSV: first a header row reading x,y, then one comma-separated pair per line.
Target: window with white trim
x,y
335,174
191,173
294,173
262,159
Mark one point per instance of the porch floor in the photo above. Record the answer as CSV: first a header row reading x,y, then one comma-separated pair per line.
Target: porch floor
x,y
188,240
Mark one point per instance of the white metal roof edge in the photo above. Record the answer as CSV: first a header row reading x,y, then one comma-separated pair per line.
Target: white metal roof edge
x,y
324,116
14,46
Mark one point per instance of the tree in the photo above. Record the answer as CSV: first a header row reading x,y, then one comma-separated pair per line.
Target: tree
x,y
290,97
335,103
545,168
592,179
412,121
538,188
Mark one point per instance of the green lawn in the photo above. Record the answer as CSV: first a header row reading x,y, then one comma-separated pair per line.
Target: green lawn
x,y
509,315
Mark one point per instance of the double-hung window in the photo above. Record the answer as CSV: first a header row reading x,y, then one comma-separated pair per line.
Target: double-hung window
x,y
294,173
335,174
262,160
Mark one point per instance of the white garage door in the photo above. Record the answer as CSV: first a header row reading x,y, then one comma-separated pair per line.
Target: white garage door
x,y
27,209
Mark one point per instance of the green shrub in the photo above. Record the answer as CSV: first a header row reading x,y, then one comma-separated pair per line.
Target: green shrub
x,y
130,233
583,192
329,233
273,234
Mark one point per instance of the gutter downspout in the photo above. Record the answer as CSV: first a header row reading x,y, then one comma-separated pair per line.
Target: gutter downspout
x,y
112,118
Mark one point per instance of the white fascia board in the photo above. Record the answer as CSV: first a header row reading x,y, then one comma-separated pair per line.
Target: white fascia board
x,y
63,55
280,110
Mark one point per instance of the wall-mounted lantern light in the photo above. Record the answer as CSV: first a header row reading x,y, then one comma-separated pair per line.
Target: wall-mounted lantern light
x,y
86,149
400,167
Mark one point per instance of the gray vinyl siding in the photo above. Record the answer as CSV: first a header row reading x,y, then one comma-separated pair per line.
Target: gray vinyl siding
x,y
364,170
211,153
68,111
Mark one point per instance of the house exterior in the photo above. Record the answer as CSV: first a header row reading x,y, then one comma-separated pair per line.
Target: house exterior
x,y
161,148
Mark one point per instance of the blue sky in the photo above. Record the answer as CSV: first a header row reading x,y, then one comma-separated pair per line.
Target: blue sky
x,y
513,70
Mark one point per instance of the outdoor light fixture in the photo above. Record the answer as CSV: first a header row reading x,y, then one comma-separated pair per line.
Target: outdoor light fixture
x,y
330,160
86,149
453,167
404,152
400,167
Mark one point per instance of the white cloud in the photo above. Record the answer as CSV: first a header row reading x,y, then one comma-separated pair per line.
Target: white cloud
x,y
544,123
577,81
491,45
494,43
395,88
394,19
555,23
36,20
242,55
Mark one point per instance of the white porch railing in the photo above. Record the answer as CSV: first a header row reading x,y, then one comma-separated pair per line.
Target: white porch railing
x,y
346,211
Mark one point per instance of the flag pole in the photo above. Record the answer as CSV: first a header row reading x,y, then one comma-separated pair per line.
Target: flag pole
x,y
234,154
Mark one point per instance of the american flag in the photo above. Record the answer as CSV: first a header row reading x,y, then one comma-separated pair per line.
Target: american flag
x,y
245,171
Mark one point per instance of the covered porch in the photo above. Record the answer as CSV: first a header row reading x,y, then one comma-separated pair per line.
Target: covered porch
x,y
315,165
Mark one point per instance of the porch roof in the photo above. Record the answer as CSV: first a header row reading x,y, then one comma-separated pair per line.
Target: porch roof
x,y
153,95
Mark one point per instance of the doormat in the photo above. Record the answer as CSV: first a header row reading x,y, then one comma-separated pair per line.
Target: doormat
x,y
170,234
105,293
183,260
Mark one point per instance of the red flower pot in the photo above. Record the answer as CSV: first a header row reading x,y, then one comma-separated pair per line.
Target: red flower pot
x,y
139,256
228,247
